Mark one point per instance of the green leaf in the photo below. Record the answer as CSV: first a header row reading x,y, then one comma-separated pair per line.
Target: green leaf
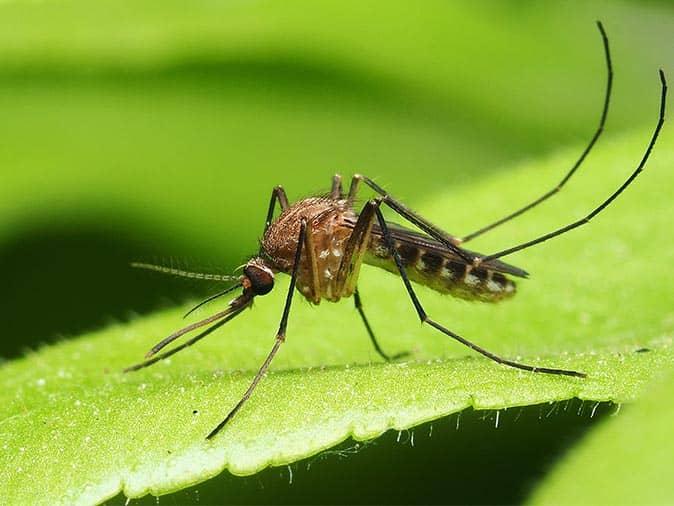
x,y
627,460
120,110
173,123
74,429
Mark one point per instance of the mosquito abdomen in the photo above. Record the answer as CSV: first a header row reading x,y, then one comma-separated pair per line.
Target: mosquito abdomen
x,y
443,273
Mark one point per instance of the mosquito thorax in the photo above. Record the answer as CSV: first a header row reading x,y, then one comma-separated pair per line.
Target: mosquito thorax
x,y
258,277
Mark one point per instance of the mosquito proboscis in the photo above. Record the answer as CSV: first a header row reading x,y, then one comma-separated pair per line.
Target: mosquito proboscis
x,y
322,241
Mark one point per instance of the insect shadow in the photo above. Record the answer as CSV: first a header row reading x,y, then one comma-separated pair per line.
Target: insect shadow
x,y
322,241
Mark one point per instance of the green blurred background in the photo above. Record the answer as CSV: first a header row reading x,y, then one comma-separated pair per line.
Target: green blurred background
x,y
155,131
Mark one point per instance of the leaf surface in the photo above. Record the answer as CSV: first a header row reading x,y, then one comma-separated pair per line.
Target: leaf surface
x,y
628,460
74,429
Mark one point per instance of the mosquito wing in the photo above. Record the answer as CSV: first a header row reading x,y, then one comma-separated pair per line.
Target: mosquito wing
x,y
409,239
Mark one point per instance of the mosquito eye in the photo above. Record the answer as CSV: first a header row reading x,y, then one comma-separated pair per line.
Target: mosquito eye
x,y
261,280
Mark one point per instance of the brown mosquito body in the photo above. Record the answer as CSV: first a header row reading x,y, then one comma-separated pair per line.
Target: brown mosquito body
x,y
331,222
321,243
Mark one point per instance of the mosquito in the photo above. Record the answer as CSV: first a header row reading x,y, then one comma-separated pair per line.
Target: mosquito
x,y
322,241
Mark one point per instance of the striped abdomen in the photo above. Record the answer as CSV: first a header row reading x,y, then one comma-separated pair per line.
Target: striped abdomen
x,y
444,272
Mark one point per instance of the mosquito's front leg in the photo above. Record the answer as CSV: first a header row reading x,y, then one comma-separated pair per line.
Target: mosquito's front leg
x,y
277,194
280,334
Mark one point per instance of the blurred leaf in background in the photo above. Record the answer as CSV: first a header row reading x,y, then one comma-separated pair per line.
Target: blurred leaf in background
x,y
602,470
156,130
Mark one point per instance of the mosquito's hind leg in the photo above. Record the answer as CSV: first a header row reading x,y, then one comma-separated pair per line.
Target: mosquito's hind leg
x,y
605,203
452,243
359,306
426,319
574,168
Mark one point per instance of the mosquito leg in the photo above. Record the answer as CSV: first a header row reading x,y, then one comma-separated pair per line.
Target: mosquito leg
x,y
452,243
310,250
611,198
361,312
355,249
352,259
277,194
576,165
353,189
426,319
336,192
280,335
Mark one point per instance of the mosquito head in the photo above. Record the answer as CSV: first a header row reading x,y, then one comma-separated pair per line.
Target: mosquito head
x,y
258,277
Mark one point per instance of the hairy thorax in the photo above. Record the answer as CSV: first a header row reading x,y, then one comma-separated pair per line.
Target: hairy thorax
x,y
329,226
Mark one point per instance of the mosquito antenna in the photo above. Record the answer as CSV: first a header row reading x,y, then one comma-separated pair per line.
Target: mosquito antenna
x,y
181,273
611,198
583,155
212,297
